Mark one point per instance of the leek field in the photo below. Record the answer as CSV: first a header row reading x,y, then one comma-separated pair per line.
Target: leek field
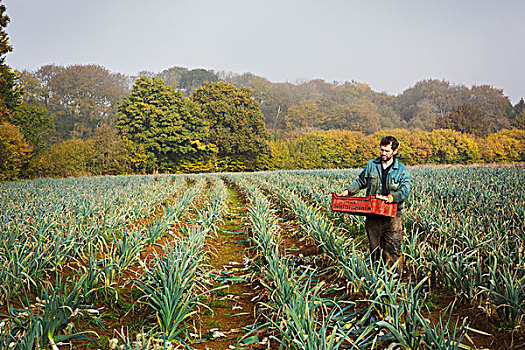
x,y
258,260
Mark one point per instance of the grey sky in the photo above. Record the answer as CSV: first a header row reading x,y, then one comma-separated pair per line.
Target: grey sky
x,y
388,44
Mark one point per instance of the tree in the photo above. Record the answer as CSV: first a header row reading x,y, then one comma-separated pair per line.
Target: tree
x,y
35,123
165,122
451,147
519,107
440,95
172,76
10,92
14,151
235,119
73,157
361,115
36,91
514,134
413,149
303,116
114,155
494,105
466,118
499,147
81,97
519,121
425,117
32,115
191,79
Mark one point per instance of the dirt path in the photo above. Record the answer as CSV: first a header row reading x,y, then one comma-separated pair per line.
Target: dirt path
x,y
233,307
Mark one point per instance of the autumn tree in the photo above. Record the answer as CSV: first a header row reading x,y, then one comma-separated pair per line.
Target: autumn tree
x,y
165,122
14,151
81,97
425,118
499,147
439,95
495,106
303,116
235,120
359,116
451,147
114,155
466,118
515,134
413,148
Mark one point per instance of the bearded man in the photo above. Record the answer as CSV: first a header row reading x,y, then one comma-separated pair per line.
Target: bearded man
x,y
389,178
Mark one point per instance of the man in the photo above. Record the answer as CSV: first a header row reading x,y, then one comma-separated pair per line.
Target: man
x,y
388,177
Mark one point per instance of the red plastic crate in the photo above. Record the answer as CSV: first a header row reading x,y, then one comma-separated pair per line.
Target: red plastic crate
x,y
363,205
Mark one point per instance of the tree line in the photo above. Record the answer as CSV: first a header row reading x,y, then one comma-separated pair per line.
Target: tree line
x,y
84,119
349,149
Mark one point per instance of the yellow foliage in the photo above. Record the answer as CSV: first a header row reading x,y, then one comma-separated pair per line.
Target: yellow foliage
x,y
14,151
501,147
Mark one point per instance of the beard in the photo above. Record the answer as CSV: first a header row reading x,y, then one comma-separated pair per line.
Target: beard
x,y
385,158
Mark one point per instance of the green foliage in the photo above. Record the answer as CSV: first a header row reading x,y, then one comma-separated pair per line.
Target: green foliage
x,y
192,79
4,44
519,107
167,124
68,158
10,92
35,123
519,122
14,151
235,120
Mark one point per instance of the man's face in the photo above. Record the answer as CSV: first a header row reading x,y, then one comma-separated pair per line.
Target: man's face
x,y
386,152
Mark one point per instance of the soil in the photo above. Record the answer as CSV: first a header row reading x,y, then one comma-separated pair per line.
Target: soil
x,y
234,305
477,318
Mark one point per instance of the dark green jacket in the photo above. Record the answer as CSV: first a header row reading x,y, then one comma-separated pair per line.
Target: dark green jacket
x,y
397,181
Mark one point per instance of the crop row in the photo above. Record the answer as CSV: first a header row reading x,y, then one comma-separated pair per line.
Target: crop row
x,y
97,260
392,312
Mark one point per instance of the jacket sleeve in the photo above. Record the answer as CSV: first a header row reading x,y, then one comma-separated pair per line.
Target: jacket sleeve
x,y
404,188
358,184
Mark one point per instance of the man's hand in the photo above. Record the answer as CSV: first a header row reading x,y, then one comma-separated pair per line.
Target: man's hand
x,y
344,193
388,199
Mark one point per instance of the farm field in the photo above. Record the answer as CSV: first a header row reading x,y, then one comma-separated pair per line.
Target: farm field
x,y
258,260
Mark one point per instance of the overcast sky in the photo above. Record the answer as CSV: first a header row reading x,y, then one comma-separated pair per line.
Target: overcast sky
x,y
388,44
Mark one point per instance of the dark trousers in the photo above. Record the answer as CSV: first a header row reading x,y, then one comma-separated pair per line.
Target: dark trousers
x,y
385,235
